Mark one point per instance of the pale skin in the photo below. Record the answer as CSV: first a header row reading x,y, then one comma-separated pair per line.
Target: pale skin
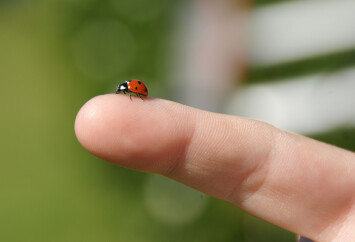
x,y
299,184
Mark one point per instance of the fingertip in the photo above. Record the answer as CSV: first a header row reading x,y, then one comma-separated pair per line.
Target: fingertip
x,y
103,126
143,135
91,121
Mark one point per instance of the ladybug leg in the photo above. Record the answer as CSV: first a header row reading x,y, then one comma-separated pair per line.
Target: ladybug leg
x,y
140,96
130,97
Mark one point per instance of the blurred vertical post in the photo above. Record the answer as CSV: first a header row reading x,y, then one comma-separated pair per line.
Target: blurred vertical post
x,y
209,52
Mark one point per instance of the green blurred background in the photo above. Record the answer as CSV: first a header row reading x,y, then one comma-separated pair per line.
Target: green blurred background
x,y
54,56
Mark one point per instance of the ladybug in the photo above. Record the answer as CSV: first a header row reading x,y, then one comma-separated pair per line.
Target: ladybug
x,y
133,86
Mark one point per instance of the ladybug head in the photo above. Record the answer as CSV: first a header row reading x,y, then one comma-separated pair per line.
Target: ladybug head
x,y
122,87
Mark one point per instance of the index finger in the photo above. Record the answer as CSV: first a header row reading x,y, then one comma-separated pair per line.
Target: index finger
x,y
246,162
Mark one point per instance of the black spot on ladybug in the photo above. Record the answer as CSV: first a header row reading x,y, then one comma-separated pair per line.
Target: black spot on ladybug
x,y
139,82
136,88
146,90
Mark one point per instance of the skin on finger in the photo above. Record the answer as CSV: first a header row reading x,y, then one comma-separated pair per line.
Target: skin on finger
x,y
297,183
140,135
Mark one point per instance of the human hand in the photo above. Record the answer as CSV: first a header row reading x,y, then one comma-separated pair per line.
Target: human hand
x,y
297,183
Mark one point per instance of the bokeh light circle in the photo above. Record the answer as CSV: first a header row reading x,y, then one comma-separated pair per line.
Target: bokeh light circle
x,y
139,10
172,202
103,48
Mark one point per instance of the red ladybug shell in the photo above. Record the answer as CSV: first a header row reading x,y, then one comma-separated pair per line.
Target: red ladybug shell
x,y
137,86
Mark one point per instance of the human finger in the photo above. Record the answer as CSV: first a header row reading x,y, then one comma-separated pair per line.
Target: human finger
x,y
297,183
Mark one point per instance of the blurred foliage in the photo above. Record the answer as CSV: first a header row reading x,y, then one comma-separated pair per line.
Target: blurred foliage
x,y
267,2
344,138
51,188
325,64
